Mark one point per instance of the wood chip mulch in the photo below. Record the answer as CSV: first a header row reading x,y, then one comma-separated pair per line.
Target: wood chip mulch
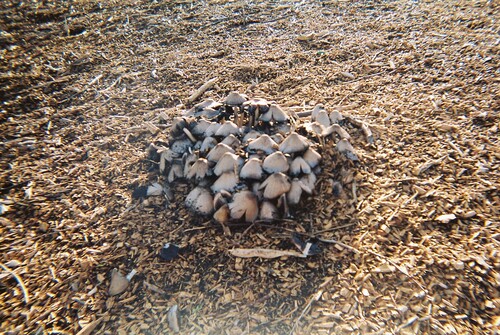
x,y
416,233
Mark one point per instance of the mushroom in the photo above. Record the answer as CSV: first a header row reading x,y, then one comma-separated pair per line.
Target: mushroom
x,y
178,124
220,198
278,138
322,118
201,127
316,110
252,169
222,215
118,284
335,128
315,128
309,180
244,203
275,113
336,117
312,157
175,172
298,166
198,170
208,144
263,143
275,162
228,162
227,128
294,143
252,134
275,185
235,99
226,181
296,188
232,141
167,156
344,147
212,129
255,107
189,160
216,153
268,212
200,201
181,146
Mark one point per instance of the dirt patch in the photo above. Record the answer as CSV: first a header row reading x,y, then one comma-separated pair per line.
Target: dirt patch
x,y
78,82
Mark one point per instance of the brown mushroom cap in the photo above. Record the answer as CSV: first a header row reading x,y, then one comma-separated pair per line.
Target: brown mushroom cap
x,y
228,162
244,203
298,166
235,99
218,151
222,215
268,211
275,185
220,198
200,201
312,157
275,162
226,181
263,143
294,143
252,169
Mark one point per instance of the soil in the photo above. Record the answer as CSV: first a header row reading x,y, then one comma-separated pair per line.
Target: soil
x,y
411,247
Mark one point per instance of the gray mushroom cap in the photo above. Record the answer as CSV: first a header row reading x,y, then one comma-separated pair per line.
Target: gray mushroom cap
x,y
275,185
208,144
309,180
268,211
322,118
336,117
275,162
294,143
232,141
252,169
226,181
212,129
227,128
235,99
175,172
181,146
201,127
228,162
252,134
296,189
335,128
216,153
316,110
312,157
275,113
298,166
346,148
200,201
263,143
244,204
198,170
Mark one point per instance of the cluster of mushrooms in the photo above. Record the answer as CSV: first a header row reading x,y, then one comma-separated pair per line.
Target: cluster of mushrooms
x,y
247,159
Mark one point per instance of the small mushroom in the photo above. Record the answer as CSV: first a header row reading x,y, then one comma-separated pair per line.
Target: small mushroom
x,y
228,162
227,128
316,110
268,211
298,166
223,214
252,134
235,99
244,203
232,141
226,181
336,117
335,128
278,138
208,144
201,127
212,129
189,160
175,172
263,143
309,180
200,201
294,143
118,284
275,185
220,198
312,157
199,170
275,113
322,118
344,147
296,189
218,151
315,128
181,146
275,162
252,169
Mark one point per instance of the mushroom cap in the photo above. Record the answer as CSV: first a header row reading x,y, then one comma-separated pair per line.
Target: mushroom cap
x,y
200,201
315,128
244,203
210,113
189,160
200,127
296,189
232,141
275,162
212,129
252,169
298,166
175,172
218,151
220,198
252,134
198,170
278,138
227,128
209,103
346,148
118,284
228,162
235,99
274,113
294,143
316,110
275,185
268,211
222,215
226,181
312,157
322,118
309,181
263,143
181,146
336,117
335,128
208,144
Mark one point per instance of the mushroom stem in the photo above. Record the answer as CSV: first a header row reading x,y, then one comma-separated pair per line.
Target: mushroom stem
x,y
256,116
188,133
